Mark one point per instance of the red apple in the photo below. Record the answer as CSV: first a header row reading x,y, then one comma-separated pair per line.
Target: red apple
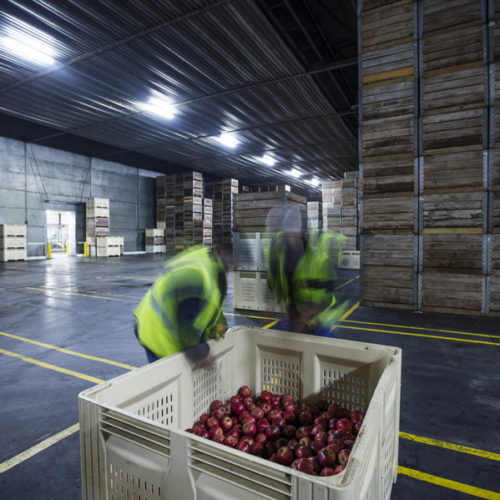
x,y
249,429
327,471
339,469
257,448
230,441
289,431
262,425
289,417
190,430
321,437
215,431
235,399
293,444
247,418
348,443
332,423
305,441
303,452
212,422
205,417
279,421
204,434
245,391
275,400
317,429
303,465
260,437
219,413
243,446
305,418
357,416
303,432
281,442
218,439
265,396
344,456
273,432
284,455
257,412
216,404
273,458
248,402
238,408
269,448
248,439
315,462
344,424
326,457
275,412
226,423
357,427
334,447
266,408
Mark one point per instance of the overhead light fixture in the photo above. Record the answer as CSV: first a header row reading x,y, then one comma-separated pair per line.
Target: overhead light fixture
x,y
163,107
295,173
29,48
267,160
314,182
228,140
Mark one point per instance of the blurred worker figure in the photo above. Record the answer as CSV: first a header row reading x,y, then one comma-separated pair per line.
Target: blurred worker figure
x,y
302,272
183,308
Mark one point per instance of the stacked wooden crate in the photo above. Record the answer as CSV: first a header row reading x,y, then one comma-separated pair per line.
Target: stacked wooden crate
x,y
161,199
252,210
207,221
350,210
170,213
326,200
192,185
332,205
313,214
387,102
222,193
453,83
155,240
12,242
97,222
494,195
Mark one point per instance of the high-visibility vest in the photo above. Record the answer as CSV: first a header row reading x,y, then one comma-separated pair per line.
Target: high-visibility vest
x,y
192,274
314,277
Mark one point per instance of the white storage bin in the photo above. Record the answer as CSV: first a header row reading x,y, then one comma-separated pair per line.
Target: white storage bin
x,y
251,291
92,212
12,230
7,254
131,427
153,232
156,248
349,260
249,251
98,202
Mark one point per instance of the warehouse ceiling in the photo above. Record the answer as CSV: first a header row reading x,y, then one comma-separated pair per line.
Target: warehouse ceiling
x,y
277,76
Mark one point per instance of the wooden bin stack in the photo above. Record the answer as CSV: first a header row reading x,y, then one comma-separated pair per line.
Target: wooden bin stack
x,y
97,222
350,210
252,209
222,193
429,157
207,221
495,193
155,240
332,205
192,231
387,58
313,214
13,242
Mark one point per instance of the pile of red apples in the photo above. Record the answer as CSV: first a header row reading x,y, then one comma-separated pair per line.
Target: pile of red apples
x,y
313,438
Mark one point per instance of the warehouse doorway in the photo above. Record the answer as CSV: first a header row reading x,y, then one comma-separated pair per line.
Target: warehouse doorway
x,y
61,230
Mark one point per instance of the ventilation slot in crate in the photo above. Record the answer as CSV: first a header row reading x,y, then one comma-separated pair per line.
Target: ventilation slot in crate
x,y
280,374
346,390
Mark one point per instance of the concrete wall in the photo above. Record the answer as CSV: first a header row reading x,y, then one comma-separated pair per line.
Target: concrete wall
x,y
34,179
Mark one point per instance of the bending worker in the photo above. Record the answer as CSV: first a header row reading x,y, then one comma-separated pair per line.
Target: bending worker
x,y
302,273
183,308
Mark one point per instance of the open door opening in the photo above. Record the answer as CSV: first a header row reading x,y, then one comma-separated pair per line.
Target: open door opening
x,y
61,230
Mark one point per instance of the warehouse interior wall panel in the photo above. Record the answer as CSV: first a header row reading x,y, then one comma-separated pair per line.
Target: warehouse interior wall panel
x,y
38,178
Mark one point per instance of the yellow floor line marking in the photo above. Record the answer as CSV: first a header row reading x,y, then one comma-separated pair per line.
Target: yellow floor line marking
x,y
43,445
347,282
269,325
418,335
349,312
51,367
248,316
422,328
73,293
450,446
448,483
68,351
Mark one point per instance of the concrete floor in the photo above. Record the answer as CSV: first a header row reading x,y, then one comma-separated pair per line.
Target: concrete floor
x,y
450,384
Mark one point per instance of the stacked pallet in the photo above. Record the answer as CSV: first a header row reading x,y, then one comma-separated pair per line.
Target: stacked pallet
x,y
388,89
350,210
207,221
170,213
155,240
313,214
222,193
252,210
332,205
161,199
97,222
453,83
12,242
109,246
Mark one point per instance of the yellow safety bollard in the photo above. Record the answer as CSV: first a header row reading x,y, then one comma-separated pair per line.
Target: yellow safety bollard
x,y
49,251
67,249
85,249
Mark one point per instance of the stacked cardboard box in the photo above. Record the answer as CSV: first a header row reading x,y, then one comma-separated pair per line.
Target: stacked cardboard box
x,y
155,240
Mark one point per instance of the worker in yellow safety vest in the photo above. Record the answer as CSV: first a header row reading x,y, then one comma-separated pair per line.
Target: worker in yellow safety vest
x,y
183,308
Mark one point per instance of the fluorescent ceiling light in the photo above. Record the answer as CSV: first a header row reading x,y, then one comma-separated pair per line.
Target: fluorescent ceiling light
x,y
29,48
314,181
228,140
295,173
267,160
162,107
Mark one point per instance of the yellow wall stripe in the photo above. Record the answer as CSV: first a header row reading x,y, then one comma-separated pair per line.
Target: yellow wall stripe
x,y
450,446
419,335
46,443
424,329
68,351
448,483
348,313
73,373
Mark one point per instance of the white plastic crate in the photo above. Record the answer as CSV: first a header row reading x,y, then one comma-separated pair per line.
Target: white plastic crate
x,y
248,249
131,428
154,232
7,254
156,248
251,291
12,242
349,260
97,212
98,202
12,230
